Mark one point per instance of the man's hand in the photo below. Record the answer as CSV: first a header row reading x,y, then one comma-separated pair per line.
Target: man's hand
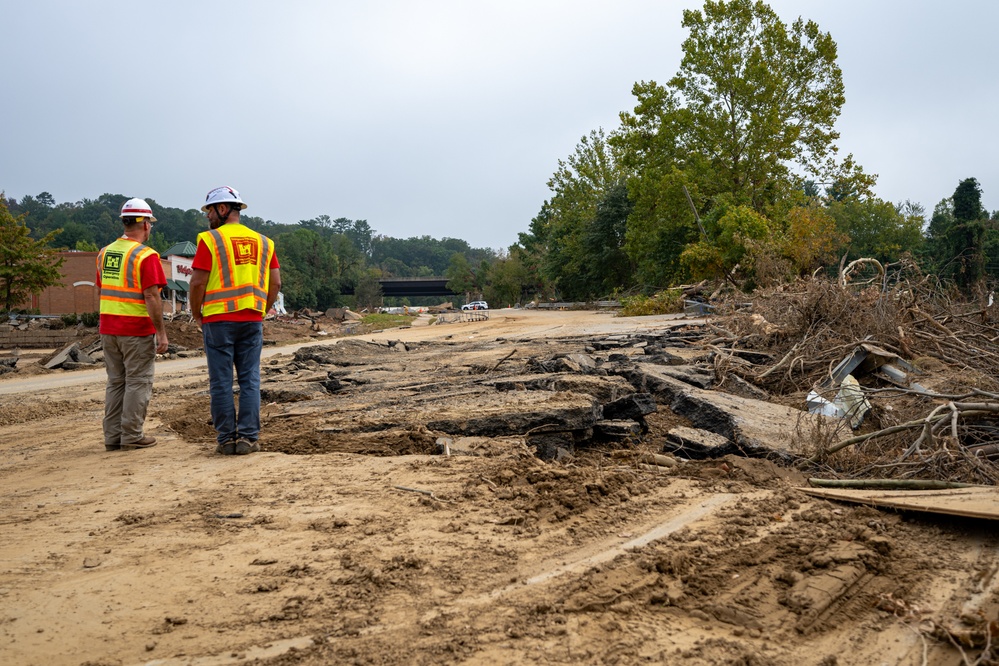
x,y
161,343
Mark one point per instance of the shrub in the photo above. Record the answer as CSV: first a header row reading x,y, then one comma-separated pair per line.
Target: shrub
x,y
664,302
69,319
91,319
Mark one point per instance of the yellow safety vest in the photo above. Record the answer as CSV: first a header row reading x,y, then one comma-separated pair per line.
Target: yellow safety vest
x,y
121,284
241,276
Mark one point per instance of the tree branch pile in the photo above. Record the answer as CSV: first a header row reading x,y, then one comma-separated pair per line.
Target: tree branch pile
x,y
808,327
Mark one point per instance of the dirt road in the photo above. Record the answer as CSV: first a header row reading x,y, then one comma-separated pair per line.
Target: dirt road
x,y
355,545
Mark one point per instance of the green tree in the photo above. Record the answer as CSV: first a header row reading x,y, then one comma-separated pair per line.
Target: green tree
x,y
368,292
27,265
937,248
760,95
309,270
878,228
565,229
460,277
961,241
970,232
730,231
74,233
510,280
650,145
609,266
968,201
749,115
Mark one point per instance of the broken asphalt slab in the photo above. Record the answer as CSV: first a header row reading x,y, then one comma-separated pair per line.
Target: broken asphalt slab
x,y
754,426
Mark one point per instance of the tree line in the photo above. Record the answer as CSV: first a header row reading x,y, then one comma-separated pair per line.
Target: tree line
x,y
322,259
728,171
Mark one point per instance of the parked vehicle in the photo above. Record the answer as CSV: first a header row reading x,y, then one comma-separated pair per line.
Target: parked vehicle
x,y
475,305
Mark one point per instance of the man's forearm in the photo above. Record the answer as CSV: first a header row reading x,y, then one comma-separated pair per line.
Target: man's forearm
x,y
154,306
196,299
273,287
198,285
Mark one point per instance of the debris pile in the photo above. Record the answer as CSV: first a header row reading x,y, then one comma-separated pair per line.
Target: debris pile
x,y
908,366
8,364
75,355
838,382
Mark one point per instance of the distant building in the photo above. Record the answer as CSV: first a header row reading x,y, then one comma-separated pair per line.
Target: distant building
x,y
78,293
177,263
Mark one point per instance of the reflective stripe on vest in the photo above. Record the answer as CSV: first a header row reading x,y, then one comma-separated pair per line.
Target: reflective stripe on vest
x,y
241,276
121,284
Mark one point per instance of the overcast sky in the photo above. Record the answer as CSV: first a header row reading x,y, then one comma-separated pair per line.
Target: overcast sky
x,y
442,118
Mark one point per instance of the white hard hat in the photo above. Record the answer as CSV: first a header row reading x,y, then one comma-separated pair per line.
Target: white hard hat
x,y
137,208
223,195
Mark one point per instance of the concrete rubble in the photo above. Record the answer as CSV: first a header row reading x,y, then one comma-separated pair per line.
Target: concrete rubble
x,y
557,396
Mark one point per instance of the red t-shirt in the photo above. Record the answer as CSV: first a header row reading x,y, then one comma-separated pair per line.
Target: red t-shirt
x,y
150,273
203,262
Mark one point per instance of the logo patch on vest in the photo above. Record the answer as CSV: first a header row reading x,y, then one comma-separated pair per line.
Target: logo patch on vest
x,y
112,265
244,250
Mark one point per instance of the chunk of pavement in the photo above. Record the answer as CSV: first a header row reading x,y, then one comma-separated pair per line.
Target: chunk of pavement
x,y
748,423
696,444
633,407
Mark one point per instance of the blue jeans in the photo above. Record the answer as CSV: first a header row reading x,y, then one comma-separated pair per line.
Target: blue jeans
x,y
230,344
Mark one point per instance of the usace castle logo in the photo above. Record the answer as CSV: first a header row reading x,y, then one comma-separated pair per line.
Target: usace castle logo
x,y
244,250
112,265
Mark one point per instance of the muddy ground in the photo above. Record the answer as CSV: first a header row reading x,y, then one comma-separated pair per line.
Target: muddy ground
x,y
355,538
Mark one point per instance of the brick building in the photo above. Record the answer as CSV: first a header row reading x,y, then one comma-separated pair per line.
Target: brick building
x,y
78,293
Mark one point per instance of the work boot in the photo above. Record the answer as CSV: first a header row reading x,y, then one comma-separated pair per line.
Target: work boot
x,y
226,448
143,443
245,446
112,447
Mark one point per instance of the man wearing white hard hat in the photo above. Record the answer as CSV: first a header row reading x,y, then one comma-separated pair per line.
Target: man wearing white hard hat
x,y
129,276
235,282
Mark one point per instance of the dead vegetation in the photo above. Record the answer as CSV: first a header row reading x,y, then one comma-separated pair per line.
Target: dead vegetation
x,y
939,423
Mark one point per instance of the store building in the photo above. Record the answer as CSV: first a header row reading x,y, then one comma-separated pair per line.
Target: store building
x,y
78,292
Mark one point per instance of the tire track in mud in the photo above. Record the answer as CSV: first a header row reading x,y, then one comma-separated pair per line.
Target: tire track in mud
x,y
967,605
578,561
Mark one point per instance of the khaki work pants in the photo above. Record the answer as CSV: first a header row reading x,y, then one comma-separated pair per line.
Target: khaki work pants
x,y
129,360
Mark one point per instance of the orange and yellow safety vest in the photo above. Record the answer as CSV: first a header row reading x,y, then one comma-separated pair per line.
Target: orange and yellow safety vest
x,y
121,287
240,278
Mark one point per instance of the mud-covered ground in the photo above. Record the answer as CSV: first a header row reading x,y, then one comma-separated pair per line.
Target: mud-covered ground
x,y
355,538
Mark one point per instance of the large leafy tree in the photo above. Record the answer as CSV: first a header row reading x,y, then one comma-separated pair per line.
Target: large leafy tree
x,y
731,231
460,276
511,280
748,116
970,232
968,201
759,96
603,241
27,265
566,230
